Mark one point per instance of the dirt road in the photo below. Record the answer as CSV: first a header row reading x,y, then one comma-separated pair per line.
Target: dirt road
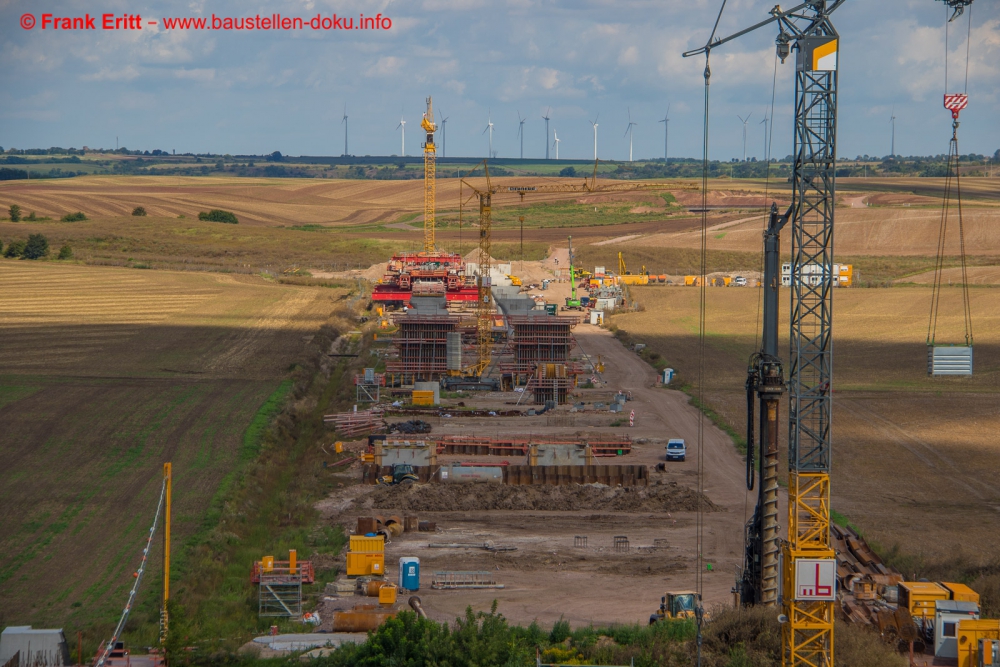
x,y
549,577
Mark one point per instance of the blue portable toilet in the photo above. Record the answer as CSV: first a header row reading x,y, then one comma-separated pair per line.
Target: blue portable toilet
x,y
409,573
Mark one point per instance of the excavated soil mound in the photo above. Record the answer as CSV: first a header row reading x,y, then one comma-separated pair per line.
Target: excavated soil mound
x,y
669,497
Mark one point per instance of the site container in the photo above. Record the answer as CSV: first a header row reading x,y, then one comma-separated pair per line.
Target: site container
x,y
365,544
363,564
920,597
409,573
961,592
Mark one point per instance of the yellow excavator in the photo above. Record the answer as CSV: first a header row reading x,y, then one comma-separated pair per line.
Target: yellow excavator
x,y
627,278
676,605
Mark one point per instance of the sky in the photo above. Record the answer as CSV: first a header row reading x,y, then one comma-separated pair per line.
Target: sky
x,y
256,91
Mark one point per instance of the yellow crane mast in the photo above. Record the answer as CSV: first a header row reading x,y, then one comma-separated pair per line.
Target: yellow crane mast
x,y
430,169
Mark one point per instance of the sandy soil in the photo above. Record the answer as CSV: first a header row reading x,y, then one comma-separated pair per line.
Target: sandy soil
x,y
547,577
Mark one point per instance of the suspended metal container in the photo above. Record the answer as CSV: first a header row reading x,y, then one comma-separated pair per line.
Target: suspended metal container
x,y
949,360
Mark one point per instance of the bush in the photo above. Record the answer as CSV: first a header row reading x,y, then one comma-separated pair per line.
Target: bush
x,y
138,211
65,252
218,215
14,249
74,217
568,171
15,213
31,216
36,247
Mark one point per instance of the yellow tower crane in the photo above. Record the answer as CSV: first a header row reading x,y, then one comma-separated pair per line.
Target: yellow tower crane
x,y
430,170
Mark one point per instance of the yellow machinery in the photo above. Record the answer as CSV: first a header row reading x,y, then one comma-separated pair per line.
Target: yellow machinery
x,y
514,280
677,605
430,171
627,278
977,641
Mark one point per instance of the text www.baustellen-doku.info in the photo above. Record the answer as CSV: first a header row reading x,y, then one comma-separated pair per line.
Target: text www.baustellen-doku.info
x,y
256,22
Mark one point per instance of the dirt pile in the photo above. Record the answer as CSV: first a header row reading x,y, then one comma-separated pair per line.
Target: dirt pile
x,y
669,497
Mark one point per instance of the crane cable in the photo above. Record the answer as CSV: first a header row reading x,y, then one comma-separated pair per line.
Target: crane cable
x,y
700,516
106,650
952,165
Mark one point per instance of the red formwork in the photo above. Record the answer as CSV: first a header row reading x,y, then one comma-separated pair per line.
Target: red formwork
x,y
515,445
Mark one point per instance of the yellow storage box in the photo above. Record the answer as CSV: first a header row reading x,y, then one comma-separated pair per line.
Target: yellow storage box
x,y
363,544
969,634
387,594
361,564
423,398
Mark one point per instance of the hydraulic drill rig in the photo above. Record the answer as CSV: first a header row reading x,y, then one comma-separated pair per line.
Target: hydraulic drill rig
x,y
807,562
758,580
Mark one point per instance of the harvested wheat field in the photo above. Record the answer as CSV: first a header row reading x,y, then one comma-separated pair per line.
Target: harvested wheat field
x,y
108,373
915,458
255,201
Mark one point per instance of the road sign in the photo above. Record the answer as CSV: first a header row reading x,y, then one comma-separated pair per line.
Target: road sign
x,y
816,579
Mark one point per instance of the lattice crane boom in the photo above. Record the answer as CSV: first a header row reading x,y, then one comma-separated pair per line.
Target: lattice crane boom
x,y
809,563
430,172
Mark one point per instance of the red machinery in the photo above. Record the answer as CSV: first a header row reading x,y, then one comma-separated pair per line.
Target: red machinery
x,y
425,273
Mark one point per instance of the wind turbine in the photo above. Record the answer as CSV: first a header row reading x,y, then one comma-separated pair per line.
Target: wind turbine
x,y
745,121
520,131
444,136
594,123
767,151
545,116
628,131
402,144
666,133
489,128
892,120
344,121
555,144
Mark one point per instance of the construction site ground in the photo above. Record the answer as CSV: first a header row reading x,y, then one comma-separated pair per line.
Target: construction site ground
x,y
547,577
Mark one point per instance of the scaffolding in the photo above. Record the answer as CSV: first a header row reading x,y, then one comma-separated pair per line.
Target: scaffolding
x,y
421,347
550,383
468,579
368,386
280,587
535,340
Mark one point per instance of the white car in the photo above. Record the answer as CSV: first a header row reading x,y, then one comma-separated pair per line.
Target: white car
x,y
676,449
740,281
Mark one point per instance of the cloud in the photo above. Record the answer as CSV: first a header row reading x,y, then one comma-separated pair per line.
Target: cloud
x,y
203,75
385,66
126,73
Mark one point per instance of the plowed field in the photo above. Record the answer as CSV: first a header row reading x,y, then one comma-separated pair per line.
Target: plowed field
x,y
107,373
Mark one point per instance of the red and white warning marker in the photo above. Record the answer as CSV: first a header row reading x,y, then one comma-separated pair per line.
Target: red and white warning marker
x,y
955,103
631,418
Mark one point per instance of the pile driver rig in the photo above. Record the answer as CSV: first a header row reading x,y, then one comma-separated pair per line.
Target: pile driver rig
x,y
806,585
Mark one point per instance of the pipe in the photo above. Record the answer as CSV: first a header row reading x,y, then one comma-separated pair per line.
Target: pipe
x,y
415,604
